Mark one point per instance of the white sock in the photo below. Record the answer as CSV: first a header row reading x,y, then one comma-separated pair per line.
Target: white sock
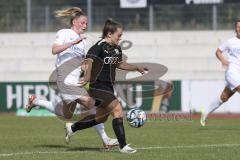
x,y
216,103
101,132
43,103
56,107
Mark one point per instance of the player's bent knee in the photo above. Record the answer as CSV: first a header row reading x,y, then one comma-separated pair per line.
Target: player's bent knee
x,y
90,104
224,97
67,115
117,113
237,89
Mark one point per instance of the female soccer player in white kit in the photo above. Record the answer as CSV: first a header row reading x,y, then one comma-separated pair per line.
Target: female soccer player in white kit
x,y
232,74
70,48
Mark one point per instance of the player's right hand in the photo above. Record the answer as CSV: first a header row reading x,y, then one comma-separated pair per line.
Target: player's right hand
x,y
82,82
78,40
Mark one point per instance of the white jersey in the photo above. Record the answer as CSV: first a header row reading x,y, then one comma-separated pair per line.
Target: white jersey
x,y
232,47
232,75
65,36
74,54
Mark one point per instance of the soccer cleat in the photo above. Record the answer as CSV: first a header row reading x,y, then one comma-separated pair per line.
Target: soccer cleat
x,y
202,122
30,104
127,149
69,132
203,118
111,142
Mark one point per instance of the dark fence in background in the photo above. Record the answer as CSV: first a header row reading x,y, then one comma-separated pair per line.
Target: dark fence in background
x,y
37,16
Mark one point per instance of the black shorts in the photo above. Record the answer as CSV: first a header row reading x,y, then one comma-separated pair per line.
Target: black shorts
x,y
102,91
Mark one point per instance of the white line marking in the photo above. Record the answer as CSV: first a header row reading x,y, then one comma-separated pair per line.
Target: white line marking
x,y
30,153
190,146
142,148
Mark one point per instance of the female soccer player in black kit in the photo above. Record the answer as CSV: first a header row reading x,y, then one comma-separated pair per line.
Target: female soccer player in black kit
x,y
102,60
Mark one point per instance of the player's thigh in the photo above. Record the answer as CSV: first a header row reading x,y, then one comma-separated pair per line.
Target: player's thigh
x,y
102,114
68,109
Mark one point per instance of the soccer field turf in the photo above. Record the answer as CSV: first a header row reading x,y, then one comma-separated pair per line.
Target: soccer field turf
x,y
43,138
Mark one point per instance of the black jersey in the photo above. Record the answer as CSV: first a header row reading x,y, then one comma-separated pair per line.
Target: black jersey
x,y
106,58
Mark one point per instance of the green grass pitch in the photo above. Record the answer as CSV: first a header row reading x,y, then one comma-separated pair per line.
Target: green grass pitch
x,y
35,138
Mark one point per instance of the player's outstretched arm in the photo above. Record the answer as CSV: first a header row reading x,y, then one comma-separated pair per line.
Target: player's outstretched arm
x,y
130,67
58,48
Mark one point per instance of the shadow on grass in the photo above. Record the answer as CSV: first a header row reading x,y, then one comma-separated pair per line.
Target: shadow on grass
x,y
86,149
50,146
68,148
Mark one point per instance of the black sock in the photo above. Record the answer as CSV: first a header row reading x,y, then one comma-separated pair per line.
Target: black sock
x,y
118,128
83,124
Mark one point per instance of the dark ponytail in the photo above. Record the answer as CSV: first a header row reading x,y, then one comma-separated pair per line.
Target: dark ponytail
x,y
110,26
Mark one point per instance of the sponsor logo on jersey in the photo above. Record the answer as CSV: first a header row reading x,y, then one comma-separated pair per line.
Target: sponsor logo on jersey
x,y
111,60
236,51
77,49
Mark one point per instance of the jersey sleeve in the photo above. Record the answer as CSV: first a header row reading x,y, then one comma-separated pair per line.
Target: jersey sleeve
x,y
60,36
94,51
224,47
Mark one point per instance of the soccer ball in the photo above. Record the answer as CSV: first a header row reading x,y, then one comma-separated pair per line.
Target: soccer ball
x,y
136,118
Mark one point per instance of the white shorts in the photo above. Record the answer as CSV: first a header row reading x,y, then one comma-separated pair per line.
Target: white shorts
x,y
70,90
232,77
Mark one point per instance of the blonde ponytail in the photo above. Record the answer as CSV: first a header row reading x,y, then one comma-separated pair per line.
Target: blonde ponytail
x,y
67,15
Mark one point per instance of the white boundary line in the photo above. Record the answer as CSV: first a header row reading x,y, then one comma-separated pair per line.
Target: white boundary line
x,y
143,148
191,146
43,152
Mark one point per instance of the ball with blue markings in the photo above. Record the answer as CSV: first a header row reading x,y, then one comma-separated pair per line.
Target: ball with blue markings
x,y
136,117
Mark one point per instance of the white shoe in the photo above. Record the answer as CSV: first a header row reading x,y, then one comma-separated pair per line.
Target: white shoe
x,y
30,104
69,132
127,149
203,118
110,143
